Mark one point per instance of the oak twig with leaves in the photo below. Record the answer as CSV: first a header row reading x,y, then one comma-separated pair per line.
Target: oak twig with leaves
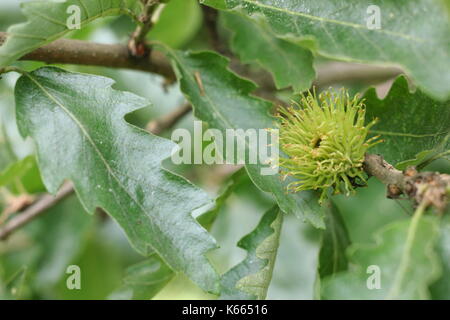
x,y
86,115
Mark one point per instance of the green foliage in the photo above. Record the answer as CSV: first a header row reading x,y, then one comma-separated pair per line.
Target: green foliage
x,y
14,286
53,242
47,22
335,241
412,124
403,255
121,161
7,155
61,236
16,170
369,210
144,280
290,64
224,102
338,29
86,128
250,279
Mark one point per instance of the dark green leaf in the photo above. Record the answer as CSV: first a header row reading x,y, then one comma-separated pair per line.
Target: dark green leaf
x,y
77,121
290,64
224,102
335,240
413,35
250,279
146,279
410,123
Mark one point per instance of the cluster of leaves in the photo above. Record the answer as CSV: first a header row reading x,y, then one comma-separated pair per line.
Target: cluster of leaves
x,y
77,122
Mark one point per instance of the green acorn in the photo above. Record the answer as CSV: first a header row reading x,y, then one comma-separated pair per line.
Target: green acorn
x,y
325,139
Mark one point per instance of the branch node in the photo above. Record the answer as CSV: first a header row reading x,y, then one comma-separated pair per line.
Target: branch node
x,y
431,188
137,45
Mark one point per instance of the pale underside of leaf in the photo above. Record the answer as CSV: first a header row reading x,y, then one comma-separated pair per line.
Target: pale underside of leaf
x,y
250,279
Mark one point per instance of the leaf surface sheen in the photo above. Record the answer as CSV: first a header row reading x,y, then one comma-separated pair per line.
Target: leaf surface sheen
x,y
77,121
413,35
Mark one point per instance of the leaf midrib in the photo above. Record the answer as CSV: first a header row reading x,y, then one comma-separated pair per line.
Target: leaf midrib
x,y
91,141
215,108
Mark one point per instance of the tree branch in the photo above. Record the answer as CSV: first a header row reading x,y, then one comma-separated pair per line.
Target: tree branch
x,y
376,166
95,54
35,210
79,52
168,121
431,188
137,45
210,16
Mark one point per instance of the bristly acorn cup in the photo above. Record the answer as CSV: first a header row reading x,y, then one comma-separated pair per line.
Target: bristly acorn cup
x,y
324,140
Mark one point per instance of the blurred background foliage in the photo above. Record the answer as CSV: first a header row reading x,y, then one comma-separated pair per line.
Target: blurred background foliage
x,y
33,260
